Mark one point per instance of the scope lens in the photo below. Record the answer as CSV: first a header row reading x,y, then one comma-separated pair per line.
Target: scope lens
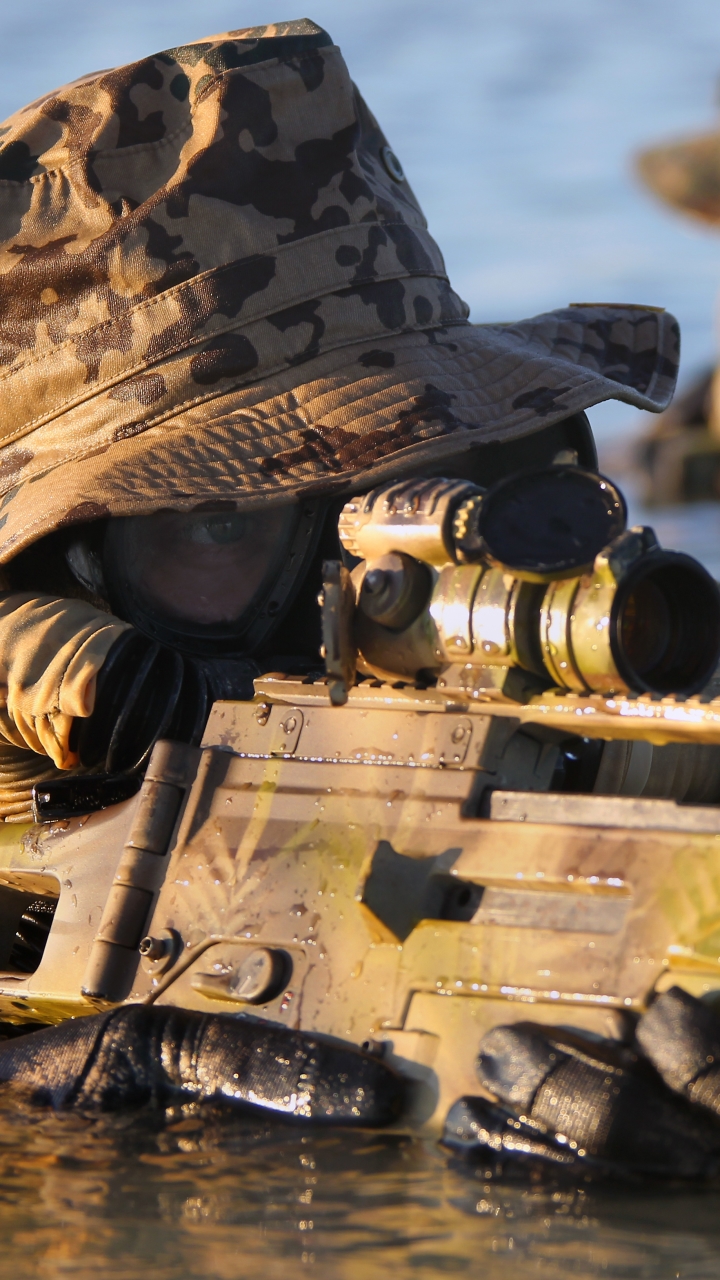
x,y
646,627
550,524
666,626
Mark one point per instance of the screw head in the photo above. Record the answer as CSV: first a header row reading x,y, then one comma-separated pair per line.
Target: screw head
x,y
159,952
154,948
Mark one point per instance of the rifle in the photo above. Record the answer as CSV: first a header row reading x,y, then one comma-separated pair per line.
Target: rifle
x,y
404,851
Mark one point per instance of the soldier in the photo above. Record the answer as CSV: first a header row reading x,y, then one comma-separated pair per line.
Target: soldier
x,y
221,312
680,456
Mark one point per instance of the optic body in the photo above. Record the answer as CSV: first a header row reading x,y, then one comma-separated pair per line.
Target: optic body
x,y
422,518
638,619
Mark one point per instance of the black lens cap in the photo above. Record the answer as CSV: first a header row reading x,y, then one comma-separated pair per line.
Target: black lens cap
x,y
551,523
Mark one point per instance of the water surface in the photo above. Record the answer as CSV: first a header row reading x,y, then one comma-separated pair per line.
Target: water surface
x,y
219,1200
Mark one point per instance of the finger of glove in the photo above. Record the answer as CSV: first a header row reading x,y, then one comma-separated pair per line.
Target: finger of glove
x,y
476,1131
27,727
514,1061
602,1100
293,1073
49,735
54,734
681,1037
628,1115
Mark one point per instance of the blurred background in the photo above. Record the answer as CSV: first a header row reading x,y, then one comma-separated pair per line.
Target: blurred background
x,y
516,122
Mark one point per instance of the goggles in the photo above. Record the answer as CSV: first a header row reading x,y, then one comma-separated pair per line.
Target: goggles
x,y
209,581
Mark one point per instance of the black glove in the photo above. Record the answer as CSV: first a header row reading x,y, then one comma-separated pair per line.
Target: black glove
x,y
136,1055
586,1107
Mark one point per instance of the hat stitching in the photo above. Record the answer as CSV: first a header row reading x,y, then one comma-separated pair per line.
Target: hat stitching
x,y
586,375
97,391
229,381
412,369
79,160
430,446
289,60
182,405
215,273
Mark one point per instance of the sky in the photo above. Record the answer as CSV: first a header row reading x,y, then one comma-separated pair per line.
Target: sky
x,y
515,120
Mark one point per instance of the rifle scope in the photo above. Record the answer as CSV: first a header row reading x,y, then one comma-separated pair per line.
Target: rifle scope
x,y
539,572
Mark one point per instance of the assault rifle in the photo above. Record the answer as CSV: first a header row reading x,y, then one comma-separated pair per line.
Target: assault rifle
x,y
500,800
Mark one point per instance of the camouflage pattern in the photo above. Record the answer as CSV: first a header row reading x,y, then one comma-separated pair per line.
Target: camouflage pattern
x,y
686,175
214,284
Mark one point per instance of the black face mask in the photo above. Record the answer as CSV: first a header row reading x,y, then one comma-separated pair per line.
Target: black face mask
x,y
212,582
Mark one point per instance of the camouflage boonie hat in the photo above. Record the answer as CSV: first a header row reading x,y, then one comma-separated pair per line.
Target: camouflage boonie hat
x,y
217,286
685,174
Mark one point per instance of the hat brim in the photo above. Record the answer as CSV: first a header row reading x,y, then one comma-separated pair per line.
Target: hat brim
x,y
350,418
685,175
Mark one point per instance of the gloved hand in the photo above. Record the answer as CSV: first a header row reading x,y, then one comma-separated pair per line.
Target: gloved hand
x,y
85,688
580,1106
135,1055
50,653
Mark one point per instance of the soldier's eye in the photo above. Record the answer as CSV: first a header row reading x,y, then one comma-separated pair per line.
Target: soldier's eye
x,y
217,530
